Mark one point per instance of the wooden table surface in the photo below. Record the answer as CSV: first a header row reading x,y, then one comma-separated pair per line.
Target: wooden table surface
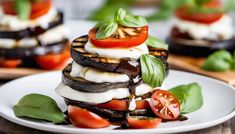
x,y
7,127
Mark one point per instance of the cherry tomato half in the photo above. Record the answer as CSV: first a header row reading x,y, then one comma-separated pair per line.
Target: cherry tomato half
x,y
141,123
37,8
86,119
165,105
10,63
128,41
183,13
122,105
53,61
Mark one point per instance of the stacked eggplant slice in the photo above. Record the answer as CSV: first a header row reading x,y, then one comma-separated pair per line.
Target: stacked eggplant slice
x,y
30,40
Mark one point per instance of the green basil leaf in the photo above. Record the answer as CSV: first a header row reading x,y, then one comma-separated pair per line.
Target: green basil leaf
x,y
39,107
218,61
106,30
189,96
156,43
133,21
23,8
120,14
153,70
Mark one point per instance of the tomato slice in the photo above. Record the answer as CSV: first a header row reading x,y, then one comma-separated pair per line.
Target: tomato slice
x,y
141,35
10,63
122,105
165,105
207,18
86,119
53,61
37,8
141,123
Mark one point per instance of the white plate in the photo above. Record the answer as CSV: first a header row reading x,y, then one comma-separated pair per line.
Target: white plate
x,y
218,104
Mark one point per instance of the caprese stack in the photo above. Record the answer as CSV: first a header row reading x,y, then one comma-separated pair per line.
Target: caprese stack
x,y
115,70
32,32
201,28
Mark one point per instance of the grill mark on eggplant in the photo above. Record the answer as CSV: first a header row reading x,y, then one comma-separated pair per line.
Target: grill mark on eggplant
x,y
31,32
26,52
82,85
112,115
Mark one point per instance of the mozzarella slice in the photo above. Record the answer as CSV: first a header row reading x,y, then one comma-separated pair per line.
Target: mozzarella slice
x,y
96,75
51,36
117,53
96,98
219,30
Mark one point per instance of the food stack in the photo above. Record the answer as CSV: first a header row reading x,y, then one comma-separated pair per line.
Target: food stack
x,y
33,34
115,69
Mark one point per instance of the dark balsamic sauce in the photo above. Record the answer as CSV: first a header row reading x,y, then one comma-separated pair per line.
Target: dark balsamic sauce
x,y
180,118
131,67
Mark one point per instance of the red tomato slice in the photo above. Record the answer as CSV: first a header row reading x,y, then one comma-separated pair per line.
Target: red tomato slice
x,y
10,63
113,42
122,105
141,123
86,119
165,105
37,8
183,13
53,61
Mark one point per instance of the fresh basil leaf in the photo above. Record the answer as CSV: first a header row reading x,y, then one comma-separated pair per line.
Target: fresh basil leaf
x,y
153,70
189,96
156,43
133,21
106,30
39,107
218,61
120,14
23,8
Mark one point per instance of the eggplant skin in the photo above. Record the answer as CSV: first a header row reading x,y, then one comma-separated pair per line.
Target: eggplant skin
x,y
82,85
31,32
194,50
112,115
33,51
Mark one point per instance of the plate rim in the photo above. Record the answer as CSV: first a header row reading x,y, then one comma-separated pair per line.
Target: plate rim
x,y
58,129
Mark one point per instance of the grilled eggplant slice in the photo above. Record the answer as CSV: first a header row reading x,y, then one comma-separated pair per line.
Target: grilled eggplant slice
x,y
82,57
82,85
30,32
33,51
107,113
184,44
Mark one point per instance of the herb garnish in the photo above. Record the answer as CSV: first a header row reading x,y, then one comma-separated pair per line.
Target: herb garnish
x,y
189,96
219,61
153,70
156,43
121,17
38,106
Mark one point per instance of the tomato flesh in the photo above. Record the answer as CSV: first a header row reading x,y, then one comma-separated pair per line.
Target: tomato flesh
x,y
165,105
53,61
112,42
37,8
10,63
207,18
122,105
143,123
86,119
